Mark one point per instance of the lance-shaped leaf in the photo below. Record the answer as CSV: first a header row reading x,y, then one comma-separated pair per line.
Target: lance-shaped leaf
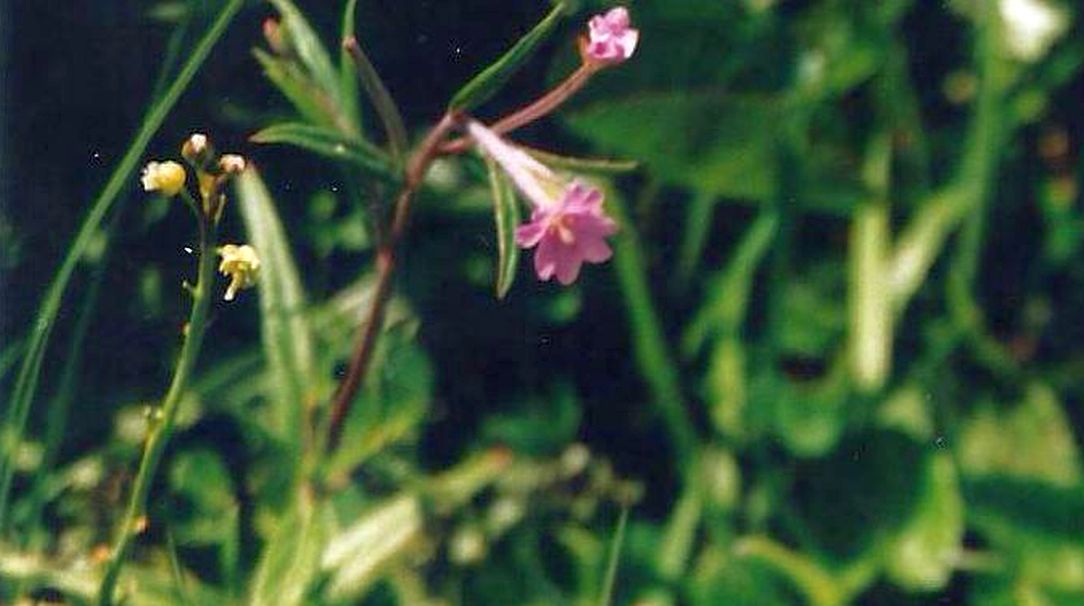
x,y
286,335
309,101
486,84
330,144
306,43
506,217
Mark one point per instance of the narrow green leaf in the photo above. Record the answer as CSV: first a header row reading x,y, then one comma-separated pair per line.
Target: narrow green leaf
x,y
583,165
27,381
506,217
287,338
348,81
308,99
486,84
330,144
309,48
291,559
382,101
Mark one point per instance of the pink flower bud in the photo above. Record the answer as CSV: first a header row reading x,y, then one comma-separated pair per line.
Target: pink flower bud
x,y
610,39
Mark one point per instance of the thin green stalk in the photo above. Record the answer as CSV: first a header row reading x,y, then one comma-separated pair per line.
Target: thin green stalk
x,y
610,580
695,236
649,343
163,419
27,381
979,172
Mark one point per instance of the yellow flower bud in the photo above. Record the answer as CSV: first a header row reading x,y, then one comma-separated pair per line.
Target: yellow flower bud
x,y
166,177
241,264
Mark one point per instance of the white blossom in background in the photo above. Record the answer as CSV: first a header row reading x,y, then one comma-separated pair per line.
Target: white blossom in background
x,y
1031,27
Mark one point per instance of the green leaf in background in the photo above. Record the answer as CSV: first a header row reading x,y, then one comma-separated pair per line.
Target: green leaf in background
x,y
291,558
329,143
210,511
1033,440
287,338
866,488
489,81
506,218
306,43
312,103
711,142
924,555
26,384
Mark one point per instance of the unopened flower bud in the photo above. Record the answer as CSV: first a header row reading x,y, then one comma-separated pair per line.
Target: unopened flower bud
x,y
272,32
610,38
197,150
231,164
166,177
241,264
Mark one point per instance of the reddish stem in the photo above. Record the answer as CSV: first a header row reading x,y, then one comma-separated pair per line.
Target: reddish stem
x,y
543,106
385,265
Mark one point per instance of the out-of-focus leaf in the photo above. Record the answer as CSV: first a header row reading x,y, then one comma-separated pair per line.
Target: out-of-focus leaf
x,y
712,142
291,561
311,102
867,488
330,144
287,337
355,557
306,43
1034,440
543,428
924,554
722,579
201,479
490,80
1008,509
506,218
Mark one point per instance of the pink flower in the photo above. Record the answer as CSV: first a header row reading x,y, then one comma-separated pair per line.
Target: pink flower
x,y
568,232
610,39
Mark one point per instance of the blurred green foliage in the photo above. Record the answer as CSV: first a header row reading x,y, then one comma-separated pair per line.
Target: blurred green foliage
x,y
835,359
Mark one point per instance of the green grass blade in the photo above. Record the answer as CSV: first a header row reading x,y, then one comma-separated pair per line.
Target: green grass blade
x,y
506,217
610,580
26,384
486,84
287,338
330,144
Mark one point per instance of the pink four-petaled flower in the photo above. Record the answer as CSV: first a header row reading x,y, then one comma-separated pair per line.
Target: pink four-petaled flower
x,y
568,232
610,39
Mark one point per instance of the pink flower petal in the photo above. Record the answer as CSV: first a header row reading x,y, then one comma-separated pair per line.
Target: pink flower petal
x,y
529,235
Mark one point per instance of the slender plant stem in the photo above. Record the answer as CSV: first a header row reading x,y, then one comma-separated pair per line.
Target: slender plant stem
x,y
163,420
385,267
27,381
544,105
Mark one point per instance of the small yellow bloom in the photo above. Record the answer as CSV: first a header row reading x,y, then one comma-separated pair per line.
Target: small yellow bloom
x,y
166,177
241,264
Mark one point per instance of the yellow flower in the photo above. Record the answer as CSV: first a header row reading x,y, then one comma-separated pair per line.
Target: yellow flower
x,y
241,264
166,177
